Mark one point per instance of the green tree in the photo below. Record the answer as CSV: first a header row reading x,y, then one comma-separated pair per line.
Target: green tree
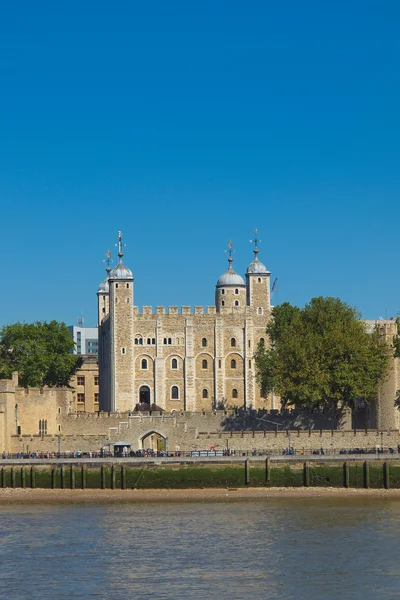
x,y
321,355
40,352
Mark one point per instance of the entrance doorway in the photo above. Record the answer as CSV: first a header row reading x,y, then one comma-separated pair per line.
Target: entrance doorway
x,y
154,441
144,395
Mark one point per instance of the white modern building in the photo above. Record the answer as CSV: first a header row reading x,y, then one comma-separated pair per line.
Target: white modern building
x,y
85,338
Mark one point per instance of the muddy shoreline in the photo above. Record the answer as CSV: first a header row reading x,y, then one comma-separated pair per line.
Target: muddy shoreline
x,y
44,496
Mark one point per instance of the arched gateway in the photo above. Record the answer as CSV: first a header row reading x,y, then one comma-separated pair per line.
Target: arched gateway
x,y
154,441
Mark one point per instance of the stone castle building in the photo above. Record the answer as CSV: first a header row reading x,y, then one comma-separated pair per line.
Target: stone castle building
x,y
179,359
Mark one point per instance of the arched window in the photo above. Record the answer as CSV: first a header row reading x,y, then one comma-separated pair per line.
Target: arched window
x,y
222,291
204,364
262,341
205,393
236,291
233,363
260,311
233,342
236,302
234,393
174,392
153,340
259,280
204,342
169,341
165,341
136,341
174,363
144,363
148,341
223,303
127,285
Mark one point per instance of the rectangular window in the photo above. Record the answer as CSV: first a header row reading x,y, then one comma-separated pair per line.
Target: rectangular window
x,y
96,398
96,380
80,380
81,397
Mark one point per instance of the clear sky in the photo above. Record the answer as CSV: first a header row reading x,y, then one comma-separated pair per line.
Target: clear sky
x,y
186,124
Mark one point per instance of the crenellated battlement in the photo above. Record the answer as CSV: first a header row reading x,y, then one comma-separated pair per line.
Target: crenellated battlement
x,y
175,310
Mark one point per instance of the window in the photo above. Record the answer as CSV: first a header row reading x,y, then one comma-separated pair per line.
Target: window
x,y
236,291
205,393
59,428
144,363
249,364
123,350
223,303
81,397
234,393
174,363
222,291
174,392
96,380
127,300
153,341
262,341
116,300
219,364
148,341
141,341
136,341
96,398
259,280
236,302
233,363
260,311
127,285
204,342
204,364
249,343
165,341
233,342
42,427
169,341
80,380
116,285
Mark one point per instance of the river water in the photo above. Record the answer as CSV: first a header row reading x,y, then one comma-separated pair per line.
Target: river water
x,y
273,548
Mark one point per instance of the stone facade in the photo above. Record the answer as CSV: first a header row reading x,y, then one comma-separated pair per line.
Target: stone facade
x,y
183,359
85,384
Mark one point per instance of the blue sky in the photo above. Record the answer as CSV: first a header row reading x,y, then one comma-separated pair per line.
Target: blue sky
x,y
185,125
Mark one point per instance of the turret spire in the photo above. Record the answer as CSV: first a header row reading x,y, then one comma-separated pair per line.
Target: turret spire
x,y
256,241
230,251
120,246
108,260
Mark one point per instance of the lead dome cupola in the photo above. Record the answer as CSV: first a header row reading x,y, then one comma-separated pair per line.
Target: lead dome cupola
x,y
120,271
256,267
230,277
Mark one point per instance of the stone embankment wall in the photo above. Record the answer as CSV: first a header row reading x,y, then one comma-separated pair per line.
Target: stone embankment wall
x,y
194,431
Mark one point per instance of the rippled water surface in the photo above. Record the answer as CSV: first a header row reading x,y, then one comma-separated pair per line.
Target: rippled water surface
x,y
275,548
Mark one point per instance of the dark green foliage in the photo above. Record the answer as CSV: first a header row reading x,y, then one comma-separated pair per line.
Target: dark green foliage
x,y
321,356
40,352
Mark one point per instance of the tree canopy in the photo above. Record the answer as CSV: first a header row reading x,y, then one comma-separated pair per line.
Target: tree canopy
x,y
320,355
40,352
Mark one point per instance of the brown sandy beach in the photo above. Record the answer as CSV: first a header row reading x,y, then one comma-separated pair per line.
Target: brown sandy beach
x,y
44,496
